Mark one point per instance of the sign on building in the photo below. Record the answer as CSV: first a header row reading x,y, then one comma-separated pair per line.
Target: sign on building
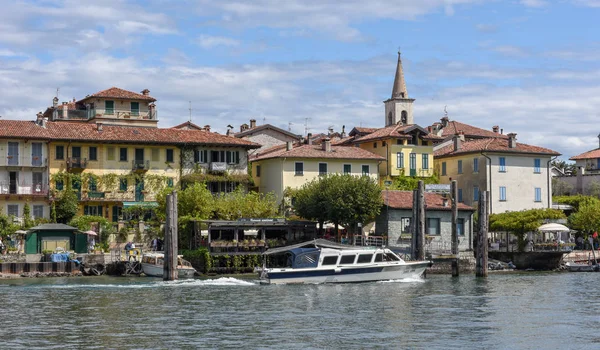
x,y
437,188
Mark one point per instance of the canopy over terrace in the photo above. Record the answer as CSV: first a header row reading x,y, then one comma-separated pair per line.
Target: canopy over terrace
x,y
262,229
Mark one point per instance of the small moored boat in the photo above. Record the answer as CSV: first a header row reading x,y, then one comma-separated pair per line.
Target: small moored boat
x,y
322,261
153,265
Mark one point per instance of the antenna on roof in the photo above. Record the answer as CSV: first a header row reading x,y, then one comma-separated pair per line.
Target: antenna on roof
x,y
446,111
290,127
306,128
190,111
57,91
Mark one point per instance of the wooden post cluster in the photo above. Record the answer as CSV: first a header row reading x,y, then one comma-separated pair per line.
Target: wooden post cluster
x,y
418,223
170,247
481,267
454,197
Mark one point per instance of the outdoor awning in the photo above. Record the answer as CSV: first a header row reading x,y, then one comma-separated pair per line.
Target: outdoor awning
x,y
552,227
141,204
251,232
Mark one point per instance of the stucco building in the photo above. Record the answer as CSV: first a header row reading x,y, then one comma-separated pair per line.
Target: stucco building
x,y
265,135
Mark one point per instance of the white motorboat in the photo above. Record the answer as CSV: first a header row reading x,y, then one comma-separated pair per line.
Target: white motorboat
x,y
322,261
575,267
153,265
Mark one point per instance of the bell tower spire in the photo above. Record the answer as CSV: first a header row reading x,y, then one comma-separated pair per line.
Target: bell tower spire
x,y
398,108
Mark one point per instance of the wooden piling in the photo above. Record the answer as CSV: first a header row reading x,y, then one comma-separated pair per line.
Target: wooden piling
x,y
421,222
454,198
413,226
170,247
481,268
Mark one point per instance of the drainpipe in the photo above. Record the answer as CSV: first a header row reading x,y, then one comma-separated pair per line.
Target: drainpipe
x,y
549,182
490,187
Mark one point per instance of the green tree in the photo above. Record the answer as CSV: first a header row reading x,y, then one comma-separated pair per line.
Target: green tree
x,y
27,220
66,206
520,222
238,204
587,218
409,183
576,201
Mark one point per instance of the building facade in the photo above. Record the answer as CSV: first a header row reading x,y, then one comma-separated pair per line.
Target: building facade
x,y
265,135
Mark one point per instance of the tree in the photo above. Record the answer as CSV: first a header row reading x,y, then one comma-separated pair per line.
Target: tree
x,y
27,220
520,222
342,199
576,201
560,187
587,218
409,183
66,206
238,204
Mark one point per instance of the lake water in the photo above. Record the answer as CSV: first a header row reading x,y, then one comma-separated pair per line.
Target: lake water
x,y
504,311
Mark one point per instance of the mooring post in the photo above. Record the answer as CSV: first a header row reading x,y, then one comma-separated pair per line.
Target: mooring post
x,y
481,269
454,198
421,222
413,227
170,254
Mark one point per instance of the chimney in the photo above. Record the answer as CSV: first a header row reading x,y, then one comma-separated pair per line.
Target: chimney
x,y
512,140
252,123
598,140
495,128
343,134
207,127
445,202
243,127
74,100
44,120
444,122
501,131
99,127
309,139
457,142
39,117
326,145
65,110
55,102
330,131
145,92
289,145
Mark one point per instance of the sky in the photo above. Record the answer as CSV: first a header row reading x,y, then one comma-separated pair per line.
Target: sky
x,y
529,66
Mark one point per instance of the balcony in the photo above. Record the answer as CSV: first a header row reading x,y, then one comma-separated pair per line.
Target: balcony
x,y
140,165
24,161
12,187
76,163
218,166
123,114
95,195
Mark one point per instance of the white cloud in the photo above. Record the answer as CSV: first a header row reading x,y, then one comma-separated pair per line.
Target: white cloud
x,y
534,3
208,41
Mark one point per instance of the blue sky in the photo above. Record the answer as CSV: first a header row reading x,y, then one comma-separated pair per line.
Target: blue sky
x,y
529,66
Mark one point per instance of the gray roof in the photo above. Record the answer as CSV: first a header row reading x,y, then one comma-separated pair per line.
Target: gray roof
x,y
323,243
54,227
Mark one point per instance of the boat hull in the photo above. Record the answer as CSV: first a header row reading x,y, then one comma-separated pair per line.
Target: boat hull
x,y
572,267
158,270
529,260
346,274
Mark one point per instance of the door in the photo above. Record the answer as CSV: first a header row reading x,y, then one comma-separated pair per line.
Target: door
x,y
413,164
76,152
12,182
36,154
139,187
13,153
36,183
139,158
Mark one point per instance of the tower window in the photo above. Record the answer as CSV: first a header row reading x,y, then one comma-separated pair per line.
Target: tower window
x,y
404,117
389,119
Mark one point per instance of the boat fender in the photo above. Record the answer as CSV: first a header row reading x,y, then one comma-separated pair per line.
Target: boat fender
x,y
337,270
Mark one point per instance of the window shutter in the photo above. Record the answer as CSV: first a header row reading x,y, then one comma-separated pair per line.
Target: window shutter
x,y
196,156
237,157
205,153
229,157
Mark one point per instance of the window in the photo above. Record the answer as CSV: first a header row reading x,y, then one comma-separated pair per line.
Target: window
x,y
135,109
233,157
475,165
217,156
433,226
460,227
123,184
60,185
200,156
405,225
38,211
400,160
502,193
330,260
475,193
460,166
92,186
109,107
258,171
374,144
347,168
379,257
322,168
123,154
169,182
425,161
460,196
60,152
170,156
443,168
383,144
364,258
502,164
538,194
399,142
299,166
537,166
95,210
347,259
12,210
93,153
110,153
365,170
155,155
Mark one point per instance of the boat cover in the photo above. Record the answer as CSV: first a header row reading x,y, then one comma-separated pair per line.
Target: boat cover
x,y
317,243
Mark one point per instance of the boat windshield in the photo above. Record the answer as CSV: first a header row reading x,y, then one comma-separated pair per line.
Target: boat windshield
x,y
305,257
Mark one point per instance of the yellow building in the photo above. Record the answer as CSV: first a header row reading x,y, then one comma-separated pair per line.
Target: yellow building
x,y
293,165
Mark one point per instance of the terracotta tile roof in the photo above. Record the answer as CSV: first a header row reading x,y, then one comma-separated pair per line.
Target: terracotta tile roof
x,y
187,126
404,200
316,151
265,127
361,131
115,92
345,141
595,153
397,131
470,131
71,105
83,132
491,145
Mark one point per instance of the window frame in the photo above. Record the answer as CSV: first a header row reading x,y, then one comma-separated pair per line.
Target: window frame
x,y
121,149
299,172
536,198
172,155
95,153
135,112
502,194
12,206
475,165
37,207
459,166
460,223
475,193
327,260
460,196
107,110
257,170
323,173
537,166
437,226
400,160
425,161
502,164
110,153
349,169
362,169
62,152
444,169
123,184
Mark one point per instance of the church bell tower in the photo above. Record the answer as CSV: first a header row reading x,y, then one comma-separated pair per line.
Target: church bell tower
x,y
399,108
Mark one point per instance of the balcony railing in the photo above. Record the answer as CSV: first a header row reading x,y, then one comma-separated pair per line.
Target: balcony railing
x,y
218,166
25,161
95,195
76,163
140,165
12,187
108,113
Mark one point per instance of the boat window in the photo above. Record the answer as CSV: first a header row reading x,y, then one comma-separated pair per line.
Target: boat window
x,y
391,257
379,257
347,259
330,260
364,258
307,260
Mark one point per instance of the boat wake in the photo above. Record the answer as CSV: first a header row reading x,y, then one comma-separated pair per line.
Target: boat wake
x,y
406,280
223,281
